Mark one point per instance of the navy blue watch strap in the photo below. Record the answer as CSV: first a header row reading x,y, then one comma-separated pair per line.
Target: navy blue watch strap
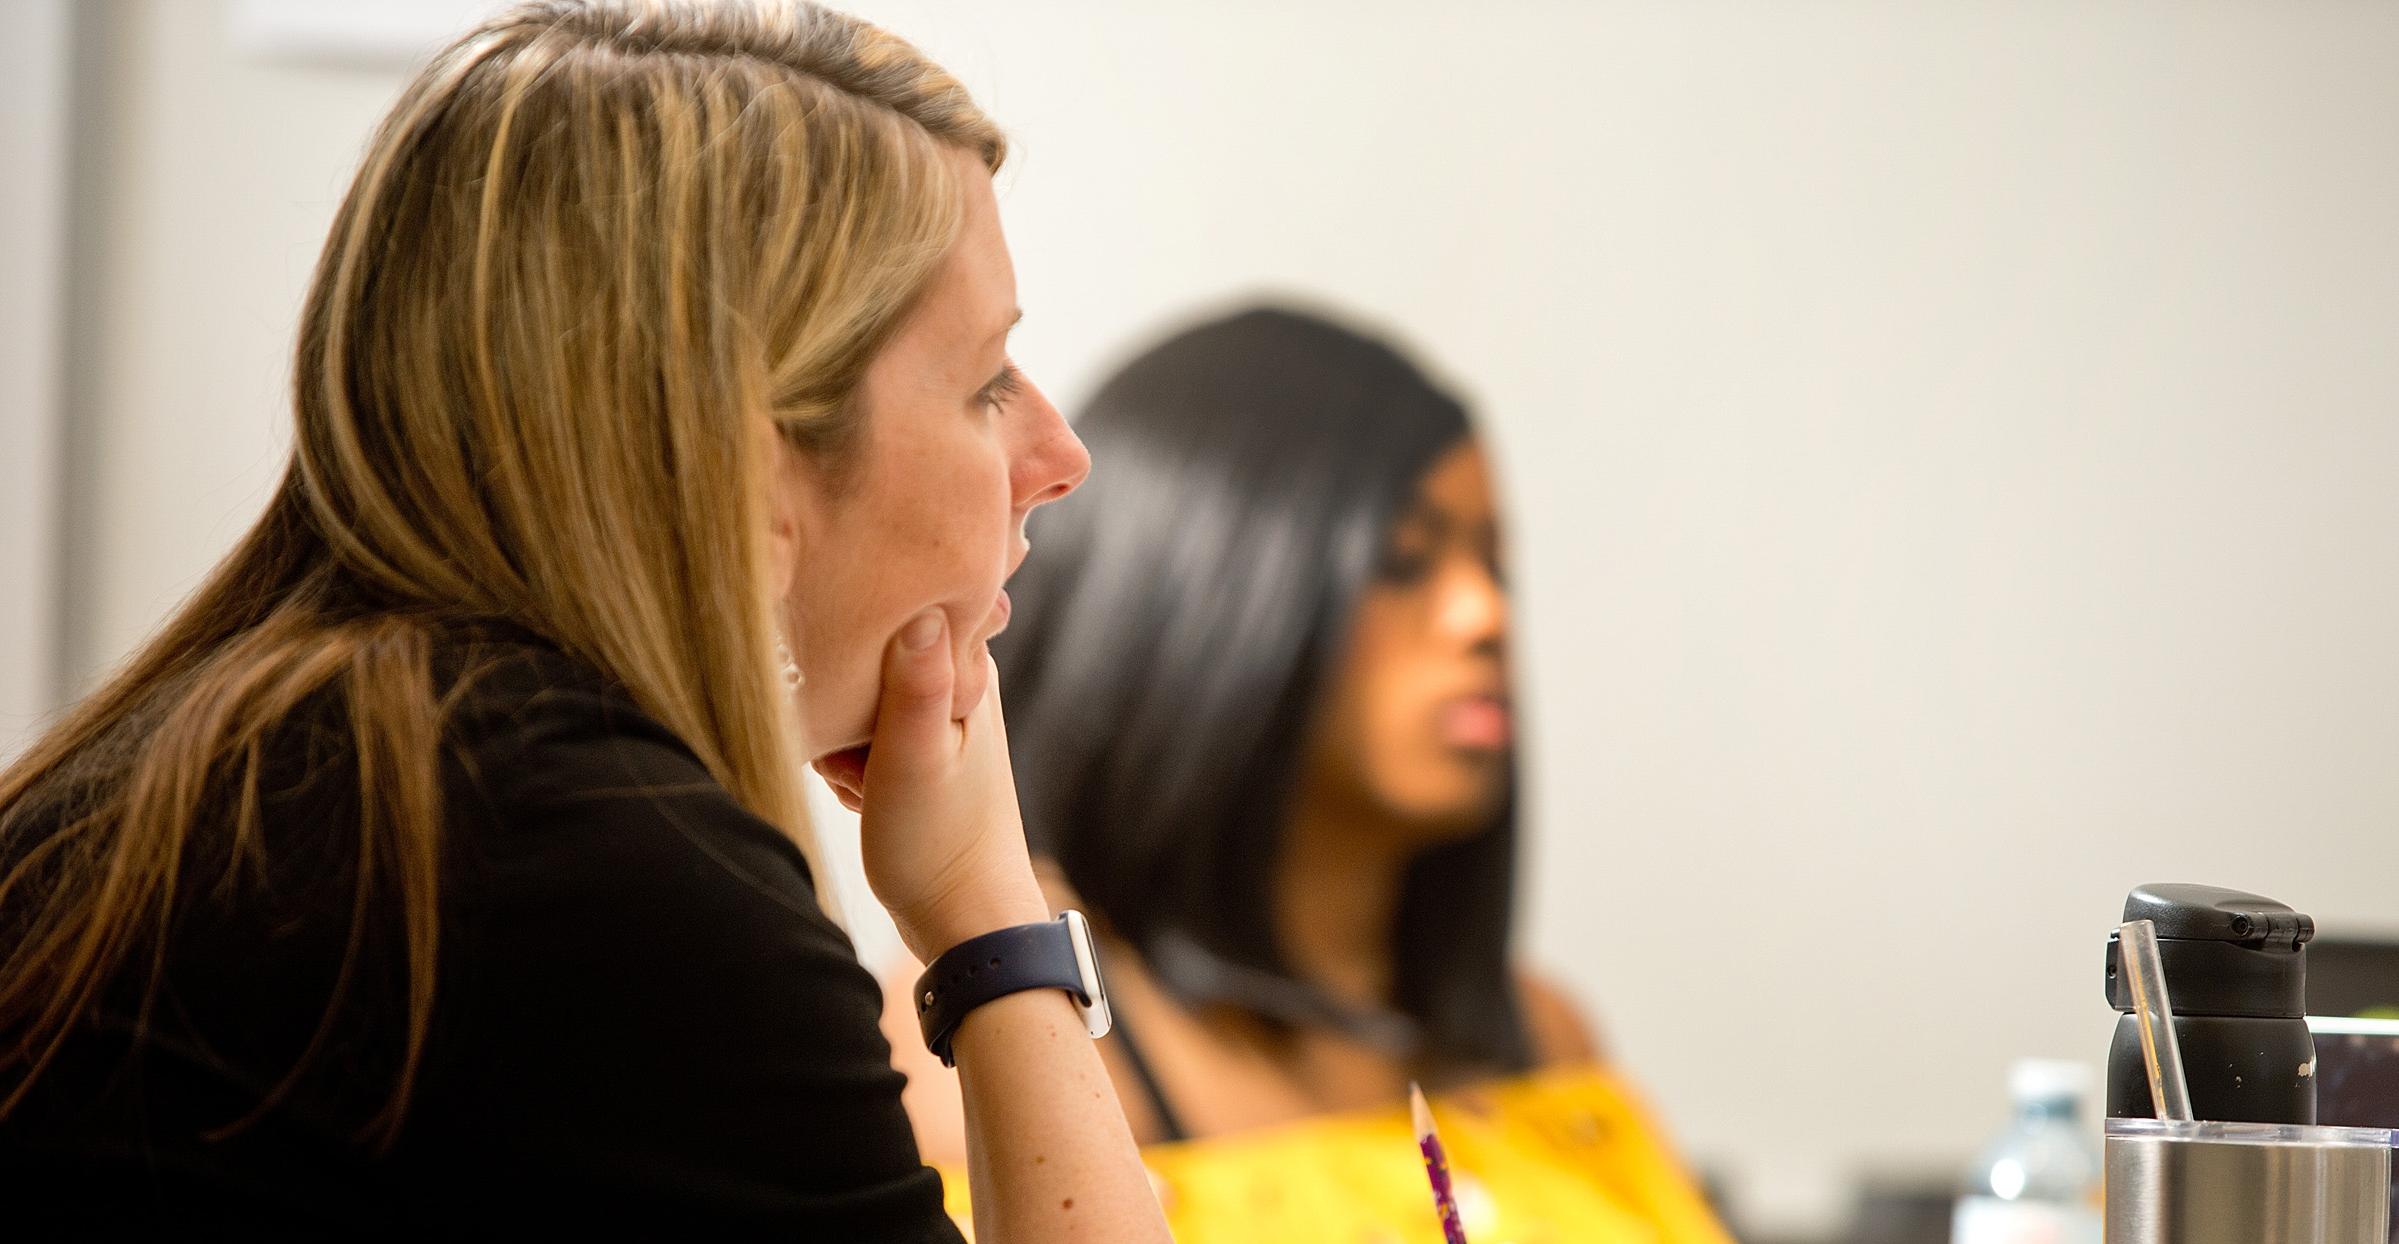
x,y
979,969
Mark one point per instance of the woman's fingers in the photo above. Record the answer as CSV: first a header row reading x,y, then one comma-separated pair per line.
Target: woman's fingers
x,y
912,733
844,771
914,736
940,837
847,797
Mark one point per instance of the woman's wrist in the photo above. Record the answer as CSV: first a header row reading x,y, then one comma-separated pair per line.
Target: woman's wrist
x,y
933,932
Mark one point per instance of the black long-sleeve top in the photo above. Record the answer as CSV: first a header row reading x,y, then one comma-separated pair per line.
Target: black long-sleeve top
x,y
643,1023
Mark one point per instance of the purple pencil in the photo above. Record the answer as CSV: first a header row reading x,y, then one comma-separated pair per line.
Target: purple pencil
x,y
1436,1167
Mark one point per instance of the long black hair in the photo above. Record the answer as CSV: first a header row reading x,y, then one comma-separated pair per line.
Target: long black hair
x,y
1172,642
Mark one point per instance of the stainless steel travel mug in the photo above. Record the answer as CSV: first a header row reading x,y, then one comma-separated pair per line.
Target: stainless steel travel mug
x,y
2246,1183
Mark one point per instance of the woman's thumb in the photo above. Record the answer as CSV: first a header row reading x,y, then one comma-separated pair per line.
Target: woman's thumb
x,y
913,720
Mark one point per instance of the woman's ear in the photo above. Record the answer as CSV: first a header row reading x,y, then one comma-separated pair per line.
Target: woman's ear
x,y
786,503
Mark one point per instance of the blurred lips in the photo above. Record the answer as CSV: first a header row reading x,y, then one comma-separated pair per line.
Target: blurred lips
x,y
1479,723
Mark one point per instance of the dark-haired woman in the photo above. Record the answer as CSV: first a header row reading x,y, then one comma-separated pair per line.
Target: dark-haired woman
x,y
1260,708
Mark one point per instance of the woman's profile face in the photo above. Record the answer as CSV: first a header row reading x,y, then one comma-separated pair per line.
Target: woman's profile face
x,y
1417,722
926,508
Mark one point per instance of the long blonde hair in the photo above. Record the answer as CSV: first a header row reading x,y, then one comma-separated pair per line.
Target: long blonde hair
x,y
594,252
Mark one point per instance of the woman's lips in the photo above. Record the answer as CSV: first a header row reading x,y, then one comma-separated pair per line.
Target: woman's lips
x,y
1476,723
1001,608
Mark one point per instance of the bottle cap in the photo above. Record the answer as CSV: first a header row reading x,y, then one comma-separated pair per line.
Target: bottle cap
x,y
2225,952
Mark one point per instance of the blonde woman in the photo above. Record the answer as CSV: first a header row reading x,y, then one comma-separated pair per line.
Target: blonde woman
x,y
438,866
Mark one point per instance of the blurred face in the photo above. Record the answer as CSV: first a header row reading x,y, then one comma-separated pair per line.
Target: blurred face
x,y
926,508
1417,724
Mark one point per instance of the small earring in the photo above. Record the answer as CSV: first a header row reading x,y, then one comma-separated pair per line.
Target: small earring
x,y
792,678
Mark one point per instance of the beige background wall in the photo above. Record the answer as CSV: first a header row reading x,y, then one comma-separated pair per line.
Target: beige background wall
x,y
35,68
1951,448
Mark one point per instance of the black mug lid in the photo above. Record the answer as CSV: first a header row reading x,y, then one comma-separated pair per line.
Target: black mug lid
x,y
2226,952
2215,914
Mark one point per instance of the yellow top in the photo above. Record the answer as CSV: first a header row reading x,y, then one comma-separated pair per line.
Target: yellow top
x,y
1566,1156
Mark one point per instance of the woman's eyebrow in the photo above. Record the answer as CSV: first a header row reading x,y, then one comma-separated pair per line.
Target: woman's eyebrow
x,y
1014,317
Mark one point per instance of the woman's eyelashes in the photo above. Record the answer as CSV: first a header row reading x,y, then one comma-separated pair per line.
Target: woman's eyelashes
x,y
1406,560
1007,384
1420,543
1413,547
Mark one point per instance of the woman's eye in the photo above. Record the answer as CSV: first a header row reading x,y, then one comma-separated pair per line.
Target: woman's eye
x,y
1404,565
1007,384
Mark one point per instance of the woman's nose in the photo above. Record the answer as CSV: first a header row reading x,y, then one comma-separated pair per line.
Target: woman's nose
x,y
1050,461
1471,606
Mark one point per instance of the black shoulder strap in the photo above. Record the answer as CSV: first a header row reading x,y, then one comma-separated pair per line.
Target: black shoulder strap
x,y
1170,1124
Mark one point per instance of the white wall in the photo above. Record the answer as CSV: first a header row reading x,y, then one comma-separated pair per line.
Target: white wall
x,y
34,63
217,177
1950,445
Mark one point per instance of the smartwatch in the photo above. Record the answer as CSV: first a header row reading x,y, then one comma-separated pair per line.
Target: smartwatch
x,y
1056,954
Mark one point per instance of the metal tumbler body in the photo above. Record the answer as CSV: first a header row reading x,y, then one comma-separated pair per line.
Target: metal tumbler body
x,y
2246,1183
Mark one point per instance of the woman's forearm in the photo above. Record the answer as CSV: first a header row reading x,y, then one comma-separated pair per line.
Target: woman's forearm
x,y
1049,1157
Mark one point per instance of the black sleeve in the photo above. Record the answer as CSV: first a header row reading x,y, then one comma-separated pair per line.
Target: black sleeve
x,y
646,1019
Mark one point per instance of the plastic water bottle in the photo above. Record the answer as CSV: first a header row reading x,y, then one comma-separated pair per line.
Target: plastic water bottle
x,y
2038,1181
